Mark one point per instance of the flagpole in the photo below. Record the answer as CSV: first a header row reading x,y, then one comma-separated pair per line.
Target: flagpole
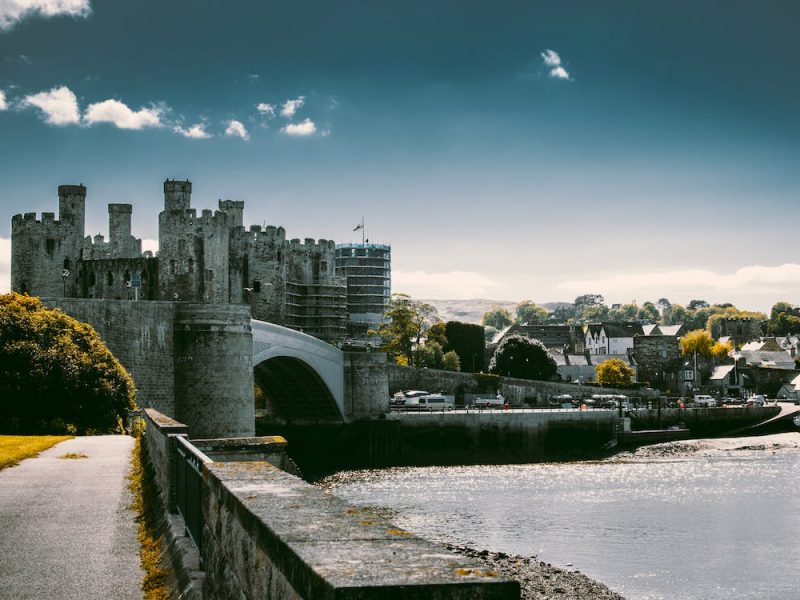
x,y
362,230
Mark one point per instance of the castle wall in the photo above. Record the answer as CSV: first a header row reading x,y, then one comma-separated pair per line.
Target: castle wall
x,y
108,278
189,360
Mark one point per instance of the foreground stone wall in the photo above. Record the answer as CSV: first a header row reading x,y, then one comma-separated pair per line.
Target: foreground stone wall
x,y
269,534
516,391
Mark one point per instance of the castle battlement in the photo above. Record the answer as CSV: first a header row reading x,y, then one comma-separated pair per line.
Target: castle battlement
x,y
29,220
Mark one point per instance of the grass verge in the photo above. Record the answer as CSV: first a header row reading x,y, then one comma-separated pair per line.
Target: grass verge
x,y
14,448
146,506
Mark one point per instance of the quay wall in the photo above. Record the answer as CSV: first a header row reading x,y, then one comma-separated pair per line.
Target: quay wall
x,y
269,534
516,391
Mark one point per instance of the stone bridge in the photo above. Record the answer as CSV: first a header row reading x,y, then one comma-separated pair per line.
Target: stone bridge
x,y
196,362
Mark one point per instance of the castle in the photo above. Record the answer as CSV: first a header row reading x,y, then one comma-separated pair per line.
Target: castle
x,y
207,258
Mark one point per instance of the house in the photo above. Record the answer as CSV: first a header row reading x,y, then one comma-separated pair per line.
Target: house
x,y
582,368
556,338
610,337
790,390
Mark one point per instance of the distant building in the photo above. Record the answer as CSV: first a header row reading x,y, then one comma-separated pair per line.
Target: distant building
x,y
367,269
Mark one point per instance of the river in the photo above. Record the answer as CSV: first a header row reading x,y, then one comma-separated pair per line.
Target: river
x,y
702,519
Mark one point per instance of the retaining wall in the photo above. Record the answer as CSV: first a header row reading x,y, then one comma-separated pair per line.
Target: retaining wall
x,y
269,534
516,391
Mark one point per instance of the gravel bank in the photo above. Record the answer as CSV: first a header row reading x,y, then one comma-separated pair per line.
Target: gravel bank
x,y
540,580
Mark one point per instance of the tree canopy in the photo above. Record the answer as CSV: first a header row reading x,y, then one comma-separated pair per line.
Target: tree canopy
x,y
497,317
699,341
56,374
529,312
523,357
468,341
407,322
614,373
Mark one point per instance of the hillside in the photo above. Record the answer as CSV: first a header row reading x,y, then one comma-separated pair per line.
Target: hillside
x,y
471,310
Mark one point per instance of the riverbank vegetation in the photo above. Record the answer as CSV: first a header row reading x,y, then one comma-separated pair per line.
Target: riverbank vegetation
x,y
15,448
56,375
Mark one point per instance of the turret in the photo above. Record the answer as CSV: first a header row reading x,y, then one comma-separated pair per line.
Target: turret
x,y
177,194
72,206
234,209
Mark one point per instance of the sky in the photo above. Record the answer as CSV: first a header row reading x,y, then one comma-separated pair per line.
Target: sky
x,y
510,150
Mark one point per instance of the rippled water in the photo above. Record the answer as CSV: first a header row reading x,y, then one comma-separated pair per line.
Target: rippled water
x,y
719,526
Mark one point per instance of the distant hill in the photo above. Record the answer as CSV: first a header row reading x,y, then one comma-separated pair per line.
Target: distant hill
x,y
471,311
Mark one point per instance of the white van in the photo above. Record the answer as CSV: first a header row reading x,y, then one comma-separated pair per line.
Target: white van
x,y
704,400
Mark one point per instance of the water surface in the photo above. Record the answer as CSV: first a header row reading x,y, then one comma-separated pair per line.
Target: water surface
x,y
716,523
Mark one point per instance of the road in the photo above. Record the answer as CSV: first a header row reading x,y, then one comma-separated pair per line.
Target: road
x,y
66,531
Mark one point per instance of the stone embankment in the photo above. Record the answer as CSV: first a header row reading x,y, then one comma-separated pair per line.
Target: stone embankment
x,y
539,580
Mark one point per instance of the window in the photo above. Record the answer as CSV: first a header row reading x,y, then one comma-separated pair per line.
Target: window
x,y
256,286
50,246
109,279
688,375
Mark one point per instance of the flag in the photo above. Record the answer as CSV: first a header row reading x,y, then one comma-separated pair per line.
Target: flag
x,y
357,227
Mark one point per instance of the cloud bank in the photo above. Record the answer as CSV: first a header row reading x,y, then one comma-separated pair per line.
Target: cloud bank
x,y
290,107
450,284
3,103
14,11
195,132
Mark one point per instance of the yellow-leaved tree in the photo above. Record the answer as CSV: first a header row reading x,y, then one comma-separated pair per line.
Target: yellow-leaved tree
x,y
614,373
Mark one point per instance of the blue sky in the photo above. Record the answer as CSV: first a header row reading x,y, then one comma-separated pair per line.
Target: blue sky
x,y
511,150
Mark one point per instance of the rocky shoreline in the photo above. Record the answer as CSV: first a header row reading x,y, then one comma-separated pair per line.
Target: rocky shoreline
x,y
539,580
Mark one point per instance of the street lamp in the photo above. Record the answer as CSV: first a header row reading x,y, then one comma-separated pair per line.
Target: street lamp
x,y
64,277
736,356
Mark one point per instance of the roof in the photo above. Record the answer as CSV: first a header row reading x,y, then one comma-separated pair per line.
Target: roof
x,y
773,360
579,360
622,330
601,358
721,372
671,329
649,329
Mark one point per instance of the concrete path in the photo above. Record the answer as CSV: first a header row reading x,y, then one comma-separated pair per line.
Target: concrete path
x,y
65,528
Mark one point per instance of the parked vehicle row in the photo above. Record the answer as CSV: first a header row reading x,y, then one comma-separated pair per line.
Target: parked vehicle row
x,y
421,400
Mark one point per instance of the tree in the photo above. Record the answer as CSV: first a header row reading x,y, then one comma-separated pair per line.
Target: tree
x,y
523,357
529,312
407,322
430,355
614,373
437,333
721,350
56,374
784,319
695,304
468,342
594,313
588,300
648,312
451,362
497,317
699,341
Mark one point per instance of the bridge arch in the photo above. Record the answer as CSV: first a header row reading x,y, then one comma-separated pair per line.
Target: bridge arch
x,y
301,376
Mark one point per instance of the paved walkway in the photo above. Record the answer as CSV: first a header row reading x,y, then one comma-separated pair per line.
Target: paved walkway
x,y
65,528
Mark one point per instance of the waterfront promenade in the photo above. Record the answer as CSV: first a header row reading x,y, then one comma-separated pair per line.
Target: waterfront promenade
x,y
67,530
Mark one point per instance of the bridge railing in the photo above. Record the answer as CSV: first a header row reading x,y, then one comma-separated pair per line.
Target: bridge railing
x,y
189,488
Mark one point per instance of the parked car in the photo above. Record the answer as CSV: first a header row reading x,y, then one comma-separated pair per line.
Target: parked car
x,y
403,398
757,400
704,400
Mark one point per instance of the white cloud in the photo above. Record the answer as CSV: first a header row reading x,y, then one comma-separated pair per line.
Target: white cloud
x,y
307,127
237,129
195,132
290,107
119,114
59,105
749,282
559,73
13,11
268,110
325,133
552,59
449,284
5,265
3,103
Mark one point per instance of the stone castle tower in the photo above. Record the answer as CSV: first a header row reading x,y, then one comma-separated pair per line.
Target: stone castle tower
x,y
208,258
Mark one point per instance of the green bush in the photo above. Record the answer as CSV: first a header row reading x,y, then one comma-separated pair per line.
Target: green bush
x,y
56,374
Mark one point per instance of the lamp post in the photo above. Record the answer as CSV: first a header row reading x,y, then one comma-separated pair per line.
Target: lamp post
x,y
64,277
736,356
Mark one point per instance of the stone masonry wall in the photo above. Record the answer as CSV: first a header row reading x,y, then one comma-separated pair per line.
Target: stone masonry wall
x,y
515,391
140,335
